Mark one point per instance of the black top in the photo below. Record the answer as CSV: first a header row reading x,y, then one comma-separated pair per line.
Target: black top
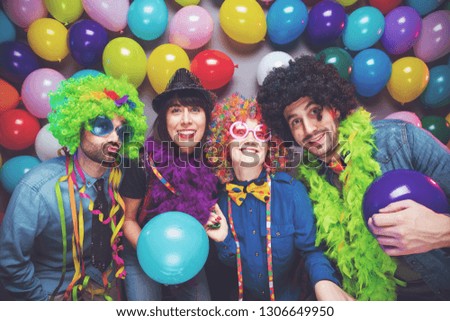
x,y
134,182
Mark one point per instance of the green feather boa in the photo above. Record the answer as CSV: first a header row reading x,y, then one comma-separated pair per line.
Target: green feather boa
x,y
368,273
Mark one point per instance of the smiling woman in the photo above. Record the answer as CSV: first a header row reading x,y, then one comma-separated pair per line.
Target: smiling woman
x,y
186,125
175,178
236,121
268,214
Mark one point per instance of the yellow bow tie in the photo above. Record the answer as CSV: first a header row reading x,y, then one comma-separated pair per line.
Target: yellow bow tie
x,y
238,193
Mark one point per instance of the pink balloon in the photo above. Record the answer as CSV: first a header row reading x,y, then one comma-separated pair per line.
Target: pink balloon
x,y
111,14
434,39
24,12
35,90
406,116
191,27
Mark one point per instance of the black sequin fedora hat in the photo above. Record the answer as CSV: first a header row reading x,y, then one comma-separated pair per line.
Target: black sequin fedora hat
x,y
183,81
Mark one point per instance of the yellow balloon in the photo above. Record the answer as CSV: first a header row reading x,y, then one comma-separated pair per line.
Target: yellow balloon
x,y
162,64
48,39
347,3
185,3
125,57
66,11
447,118
243,20
409,78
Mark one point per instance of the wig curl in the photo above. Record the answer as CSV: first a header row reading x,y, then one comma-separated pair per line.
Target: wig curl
x,y
305,76
79,100
232,109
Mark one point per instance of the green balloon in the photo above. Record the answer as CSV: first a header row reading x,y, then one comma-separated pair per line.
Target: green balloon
x,y
438,126
437,92
339,58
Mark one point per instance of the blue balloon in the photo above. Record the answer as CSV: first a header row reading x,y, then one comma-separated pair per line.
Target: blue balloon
x,y
364,28
86,72
148,19
87,39
172,248
17,61
14,169
326,22
6,26
424,7
286,21
372,69
437,93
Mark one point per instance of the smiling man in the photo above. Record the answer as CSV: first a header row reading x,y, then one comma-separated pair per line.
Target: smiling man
x,y
61,233
345,151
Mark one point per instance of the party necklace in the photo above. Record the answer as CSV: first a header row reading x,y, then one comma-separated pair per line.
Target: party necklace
x,y
78,227
155,171
368,272
268,244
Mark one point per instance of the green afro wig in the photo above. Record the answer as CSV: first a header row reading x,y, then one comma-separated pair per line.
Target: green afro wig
x,y
77,101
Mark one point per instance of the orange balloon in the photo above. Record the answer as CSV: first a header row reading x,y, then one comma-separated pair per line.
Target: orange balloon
x,y
9,96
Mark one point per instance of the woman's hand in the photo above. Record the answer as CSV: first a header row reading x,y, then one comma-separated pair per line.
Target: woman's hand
x,y
216,227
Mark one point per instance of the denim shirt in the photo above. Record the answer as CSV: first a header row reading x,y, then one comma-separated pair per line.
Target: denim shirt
x,y
401,145
30,234
293,233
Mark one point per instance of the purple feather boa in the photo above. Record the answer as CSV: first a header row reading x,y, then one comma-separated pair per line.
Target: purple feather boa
x,y
194,182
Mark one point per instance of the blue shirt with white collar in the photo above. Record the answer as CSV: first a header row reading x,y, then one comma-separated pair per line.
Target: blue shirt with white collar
x,y
293,234
30,235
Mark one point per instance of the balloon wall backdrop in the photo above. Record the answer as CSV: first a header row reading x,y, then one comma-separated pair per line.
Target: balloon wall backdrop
x,y
395,52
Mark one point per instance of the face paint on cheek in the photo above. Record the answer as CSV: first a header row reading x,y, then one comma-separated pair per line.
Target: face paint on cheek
x,y
333,113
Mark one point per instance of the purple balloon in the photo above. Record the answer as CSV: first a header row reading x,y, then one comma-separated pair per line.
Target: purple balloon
x,y
87,39
326,23
434,40
403,184
17,61
402,29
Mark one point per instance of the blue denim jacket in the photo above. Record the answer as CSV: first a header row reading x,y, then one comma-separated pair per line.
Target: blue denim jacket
x,y
30,234
402,145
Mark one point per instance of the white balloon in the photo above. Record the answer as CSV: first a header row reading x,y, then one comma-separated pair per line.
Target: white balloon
x,y
46,144
272,60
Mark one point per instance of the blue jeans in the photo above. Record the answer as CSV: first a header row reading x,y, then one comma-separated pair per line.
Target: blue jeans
x,y
140,287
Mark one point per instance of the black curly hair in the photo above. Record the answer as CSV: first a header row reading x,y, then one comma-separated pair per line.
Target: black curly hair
x,y
305,76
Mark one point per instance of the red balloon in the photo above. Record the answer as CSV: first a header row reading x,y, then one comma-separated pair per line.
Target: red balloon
x,y
214,68
18,129
385,5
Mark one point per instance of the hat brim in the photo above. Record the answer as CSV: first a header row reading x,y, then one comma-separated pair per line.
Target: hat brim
x,y
158,101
